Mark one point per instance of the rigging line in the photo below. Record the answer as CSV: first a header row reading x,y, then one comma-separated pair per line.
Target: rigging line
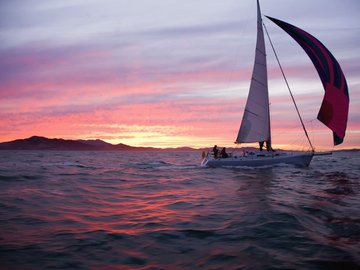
x,y
287,84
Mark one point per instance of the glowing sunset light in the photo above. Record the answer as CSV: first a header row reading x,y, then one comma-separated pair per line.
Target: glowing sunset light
x,y
165,75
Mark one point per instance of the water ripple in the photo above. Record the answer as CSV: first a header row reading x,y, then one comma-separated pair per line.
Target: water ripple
x,y
84,210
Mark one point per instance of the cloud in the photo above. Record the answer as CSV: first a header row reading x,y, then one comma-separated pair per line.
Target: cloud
x,y
155,73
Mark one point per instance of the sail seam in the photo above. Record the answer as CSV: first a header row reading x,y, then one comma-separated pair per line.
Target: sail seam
x,y
253,78
264,53
251,112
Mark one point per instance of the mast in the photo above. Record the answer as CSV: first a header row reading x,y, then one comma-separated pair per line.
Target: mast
x,y
292,96
255,124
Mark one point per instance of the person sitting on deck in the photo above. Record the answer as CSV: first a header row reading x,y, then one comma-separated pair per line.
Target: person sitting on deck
x,y
215,151
223,153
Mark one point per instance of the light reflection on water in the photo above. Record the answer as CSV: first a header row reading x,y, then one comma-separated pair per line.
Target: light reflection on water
x,y
81,210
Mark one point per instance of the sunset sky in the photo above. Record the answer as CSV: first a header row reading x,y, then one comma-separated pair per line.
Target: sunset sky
x,y
166,73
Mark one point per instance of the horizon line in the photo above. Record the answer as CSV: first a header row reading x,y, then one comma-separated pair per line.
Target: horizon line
x,y
166,148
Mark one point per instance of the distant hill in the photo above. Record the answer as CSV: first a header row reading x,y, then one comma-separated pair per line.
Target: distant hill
x,y
97,143
43,143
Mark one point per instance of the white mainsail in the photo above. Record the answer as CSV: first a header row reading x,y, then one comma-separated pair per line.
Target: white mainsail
x,y
255,125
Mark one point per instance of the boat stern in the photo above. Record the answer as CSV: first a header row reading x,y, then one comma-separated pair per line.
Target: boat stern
x,y
205,159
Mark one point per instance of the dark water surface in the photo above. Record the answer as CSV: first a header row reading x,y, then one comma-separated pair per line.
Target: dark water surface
x,y
113,210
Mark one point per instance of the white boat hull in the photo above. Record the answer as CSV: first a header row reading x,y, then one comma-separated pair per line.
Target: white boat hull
x,y
260,159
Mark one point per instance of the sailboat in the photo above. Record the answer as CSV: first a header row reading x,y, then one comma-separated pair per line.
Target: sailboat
x,y
255,125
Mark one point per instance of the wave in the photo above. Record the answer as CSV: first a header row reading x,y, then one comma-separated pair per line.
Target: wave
x,y
85,211
20,178
68,164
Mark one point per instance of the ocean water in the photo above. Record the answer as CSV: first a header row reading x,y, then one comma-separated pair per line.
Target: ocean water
x,y
154,210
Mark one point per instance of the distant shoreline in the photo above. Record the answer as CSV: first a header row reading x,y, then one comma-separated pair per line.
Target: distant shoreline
x,y
42,143
39,143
